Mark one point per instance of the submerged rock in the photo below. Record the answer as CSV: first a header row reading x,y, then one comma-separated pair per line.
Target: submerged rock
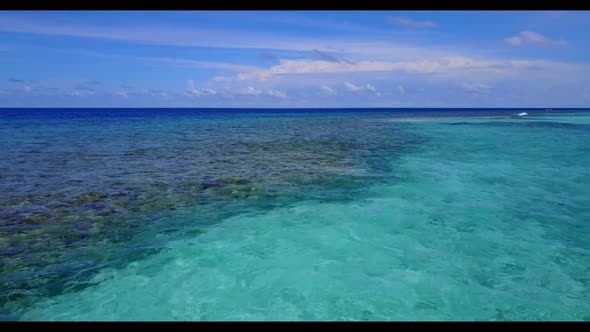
x,y
89,198
213,184
35,219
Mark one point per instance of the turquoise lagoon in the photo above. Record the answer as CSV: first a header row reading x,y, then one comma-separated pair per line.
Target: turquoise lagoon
x,y
294,215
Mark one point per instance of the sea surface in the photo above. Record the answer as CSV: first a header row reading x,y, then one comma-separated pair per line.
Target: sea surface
x,y
339,214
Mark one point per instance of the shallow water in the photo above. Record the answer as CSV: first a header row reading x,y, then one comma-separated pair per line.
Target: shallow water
x,y
311,216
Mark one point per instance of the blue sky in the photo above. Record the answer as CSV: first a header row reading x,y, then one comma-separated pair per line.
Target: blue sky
x,y
295,59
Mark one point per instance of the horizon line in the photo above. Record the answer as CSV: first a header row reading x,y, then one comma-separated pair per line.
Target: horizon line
x,y
298,108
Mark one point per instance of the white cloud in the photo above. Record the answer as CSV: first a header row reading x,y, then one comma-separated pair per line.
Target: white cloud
x,y
80,93
190,84
158,93
27,88
192,90
252,91
477,88
328,90
409,23
401,88
276,93
304,66
122,94
532,38
444,64
353,88
233,92
358,89
446,67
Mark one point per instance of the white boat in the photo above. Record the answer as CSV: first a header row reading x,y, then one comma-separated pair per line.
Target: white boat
x,y
522,114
